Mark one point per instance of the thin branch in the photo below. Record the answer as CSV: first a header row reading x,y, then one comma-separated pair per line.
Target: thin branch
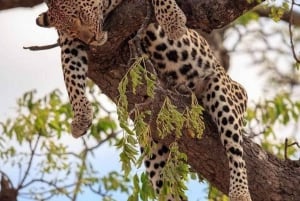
x,y
287,145
110,136
291,32
44,47
81,171
30,161
58,154
55,187
99,191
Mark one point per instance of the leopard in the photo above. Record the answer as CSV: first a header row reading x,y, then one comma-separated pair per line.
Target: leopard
x,y
187,65
81,21
183,61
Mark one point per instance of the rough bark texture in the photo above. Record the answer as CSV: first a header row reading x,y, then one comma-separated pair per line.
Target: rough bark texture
x,y
270,179
7,4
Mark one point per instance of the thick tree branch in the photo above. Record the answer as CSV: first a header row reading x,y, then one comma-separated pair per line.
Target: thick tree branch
x,y
7,4
269,178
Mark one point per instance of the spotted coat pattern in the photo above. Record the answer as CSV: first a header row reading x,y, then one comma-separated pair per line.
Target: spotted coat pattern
x,y
63,14
188,65
183,61
81,19
75,66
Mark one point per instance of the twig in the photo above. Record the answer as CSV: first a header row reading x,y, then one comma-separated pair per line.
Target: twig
x,y
110,136
33,150
291,33
44,47
80,171
50,190
286,146
99,191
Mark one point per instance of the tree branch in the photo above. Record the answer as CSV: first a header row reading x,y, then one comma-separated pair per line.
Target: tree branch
x,y
44,47
269,178
8,4
32,154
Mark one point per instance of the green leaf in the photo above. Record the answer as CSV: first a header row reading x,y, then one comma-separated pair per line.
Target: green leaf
x,y
248,17
169,120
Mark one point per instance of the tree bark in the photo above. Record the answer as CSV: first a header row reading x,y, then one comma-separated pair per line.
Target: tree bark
x,y
7,4
270,179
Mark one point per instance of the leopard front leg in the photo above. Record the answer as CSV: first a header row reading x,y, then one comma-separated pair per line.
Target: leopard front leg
x,y
75,66
170,17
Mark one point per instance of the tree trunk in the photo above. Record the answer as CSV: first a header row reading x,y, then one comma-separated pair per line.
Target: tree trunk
x,y
270,179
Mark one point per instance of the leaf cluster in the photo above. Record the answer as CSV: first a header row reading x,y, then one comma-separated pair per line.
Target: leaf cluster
x,y
169,121
36,142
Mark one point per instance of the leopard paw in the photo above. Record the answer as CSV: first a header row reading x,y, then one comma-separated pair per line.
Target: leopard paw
x,y
244,197
81,123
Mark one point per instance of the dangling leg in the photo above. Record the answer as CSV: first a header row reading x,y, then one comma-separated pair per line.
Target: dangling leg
x,y
227,111
75,66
